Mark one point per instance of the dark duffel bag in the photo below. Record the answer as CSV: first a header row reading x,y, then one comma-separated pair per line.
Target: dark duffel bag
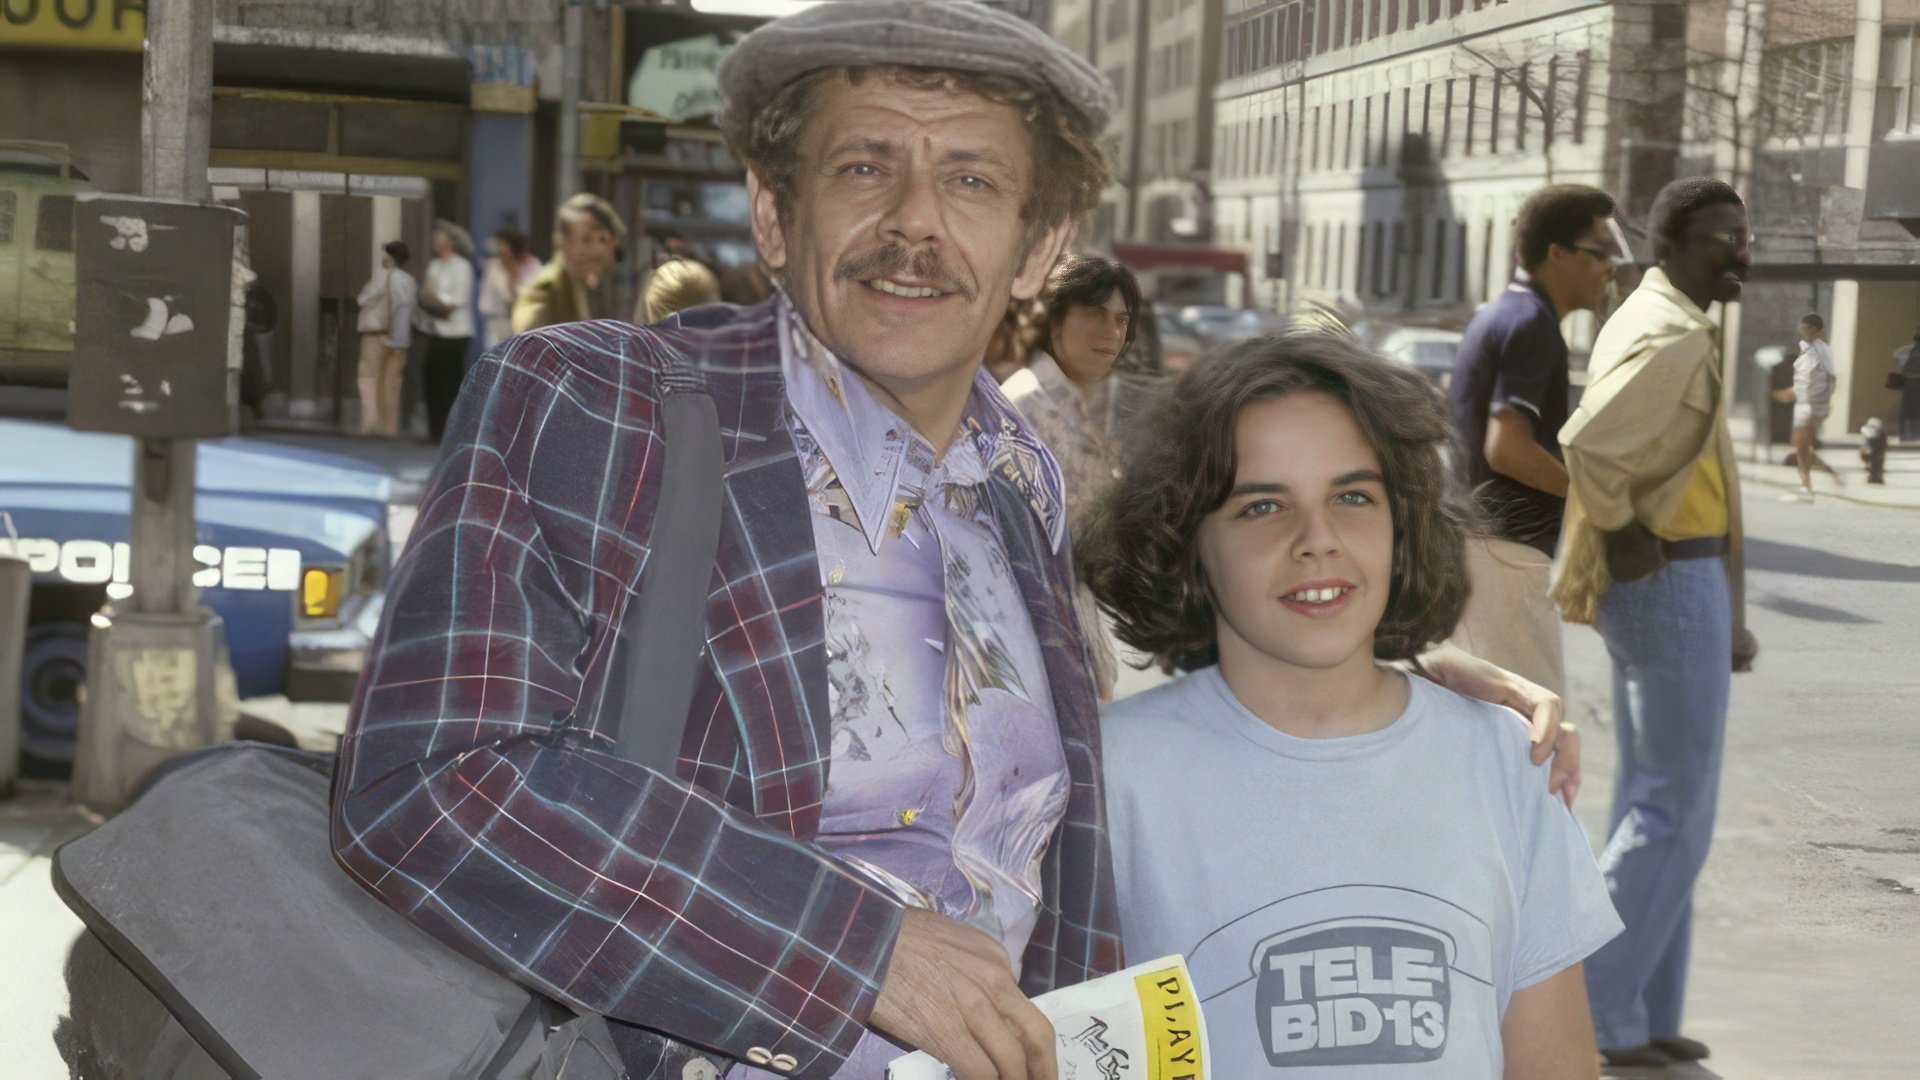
x,y
216,889
283,966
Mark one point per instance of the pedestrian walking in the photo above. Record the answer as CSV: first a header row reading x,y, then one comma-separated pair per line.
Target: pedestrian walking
x,y
1906,361
1092,303
1283,526
1811,395
1652,557
387,304
884,828
510,266
1509,399
448,325
587,234
676,285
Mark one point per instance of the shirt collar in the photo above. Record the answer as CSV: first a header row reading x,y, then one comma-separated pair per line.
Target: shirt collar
x,y
1655,280
869,448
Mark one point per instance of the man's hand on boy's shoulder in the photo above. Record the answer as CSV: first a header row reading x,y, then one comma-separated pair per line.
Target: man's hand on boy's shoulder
x,y
1552,736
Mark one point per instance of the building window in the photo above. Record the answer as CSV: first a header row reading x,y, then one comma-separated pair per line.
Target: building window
x,y
1493,136
1379,256
1395,254
1486,259
1346,154
1386,125
1549,103
1313,159
1340,259
1437,287
1473,103
1521,99
1373,17
1366,140
9,210
53,229
1446,122
1460,261
1580,86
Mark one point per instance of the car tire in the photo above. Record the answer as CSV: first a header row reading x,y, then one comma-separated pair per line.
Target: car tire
x,y
53,671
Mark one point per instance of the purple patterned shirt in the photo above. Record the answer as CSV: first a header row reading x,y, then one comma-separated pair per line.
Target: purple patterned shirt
x,y
947,776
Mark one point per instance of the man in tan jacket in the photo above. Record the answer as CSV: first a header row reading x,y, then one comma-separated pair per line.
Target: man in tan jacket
x,y
587,235
1650,554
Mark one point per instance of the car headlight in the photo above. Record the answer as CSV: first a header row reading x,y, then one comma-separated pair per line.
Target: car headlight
x,y
321,589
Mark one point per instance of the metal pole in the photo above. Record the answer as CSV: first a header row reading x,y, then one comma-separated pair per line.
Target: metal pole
x,y
158,679
566,178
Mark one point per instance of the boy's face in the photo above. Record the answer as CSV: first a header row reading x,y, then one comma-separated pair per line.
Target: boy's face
x,y
1300,556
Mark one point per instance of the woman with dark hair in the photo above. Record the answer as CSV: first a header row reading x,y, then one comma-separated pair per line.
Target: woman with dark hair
x,y
1091,303
508,270
1376,847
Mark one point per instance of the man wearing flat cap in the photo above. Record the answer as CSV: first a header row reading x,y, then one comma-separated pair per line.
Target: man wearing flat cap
x,y
885,827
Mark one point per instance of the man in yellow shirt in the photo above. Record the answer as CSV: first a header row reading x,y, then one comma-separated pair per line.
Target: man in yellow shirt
x,y
1650,554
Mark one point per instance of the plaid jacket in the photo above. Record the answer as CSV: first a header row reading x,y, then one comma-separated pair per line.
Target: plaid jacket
x,y
477,792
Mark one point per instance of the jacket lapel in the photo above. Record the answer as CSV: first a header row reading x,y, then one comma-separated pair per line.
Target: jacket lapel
x,y
765,621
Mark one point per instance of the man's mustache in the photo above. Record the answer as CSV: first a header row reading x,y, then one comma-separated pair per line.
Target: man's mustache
x,y
893,260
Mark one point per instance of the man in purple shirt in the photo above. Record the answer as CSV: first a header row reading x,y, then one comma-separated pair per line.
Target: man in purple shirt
x,y
886,826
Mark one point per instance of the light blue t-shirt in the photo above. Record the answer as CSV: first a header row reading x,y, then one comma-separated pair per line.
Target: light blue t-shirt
x,y
1350,907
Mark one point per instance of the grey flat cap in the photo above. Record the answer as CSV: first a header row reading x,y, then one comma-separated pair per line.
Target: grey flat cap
x,y
959,35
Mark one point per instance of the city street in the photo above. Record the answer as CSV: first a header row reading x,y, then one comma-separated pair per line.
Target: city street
x,y
1806,963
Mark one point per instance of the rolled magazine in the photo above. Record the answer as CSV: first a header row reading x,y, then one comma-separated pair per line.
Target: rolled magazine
x,y
1143,1023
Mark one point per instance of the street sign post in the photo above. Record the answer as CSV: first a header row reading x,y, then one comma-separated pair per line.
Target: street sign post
x,y
158,677
155,297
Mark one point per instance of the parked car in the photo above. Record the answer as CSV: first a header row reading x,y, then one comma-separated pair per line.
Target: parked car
x,y
1214,324
1430,352
294,547
37,186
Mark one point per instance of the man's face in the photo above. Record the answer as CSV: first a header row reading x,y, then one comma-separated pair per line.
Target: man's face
x,y
1713,256
902,246
1590,265
1087,339
1808,333
1299,559
586,245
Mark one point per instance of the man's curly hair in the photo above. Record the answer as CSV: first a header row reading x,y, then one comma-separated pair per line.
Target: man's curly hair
x,y
1069,169
1139,554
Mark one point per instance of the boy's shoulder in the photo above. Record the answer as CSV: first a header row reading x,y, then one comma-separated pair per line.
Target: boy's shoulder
x,y
1470,719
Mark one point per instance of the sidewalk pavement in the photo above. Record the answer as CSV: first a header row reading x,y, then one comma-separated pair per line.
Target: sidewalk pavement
x,y
39,928
1767,476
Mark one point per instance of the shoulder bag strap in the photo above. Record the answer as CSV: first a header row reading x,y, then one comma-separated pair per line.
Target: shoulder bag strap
x,y
663,638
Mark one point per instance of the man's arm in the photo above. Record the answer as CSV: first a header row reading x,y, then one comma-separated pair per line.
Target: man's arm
x,y
470,799
1547,1033
1512,452
1468,675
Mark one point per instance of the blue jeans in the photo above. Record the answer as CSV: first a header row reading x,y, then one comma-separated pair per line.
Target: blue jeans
x,y
1671,639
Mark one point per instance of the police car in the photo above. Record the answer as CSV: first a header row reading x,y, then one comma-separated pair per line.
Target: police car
x,y
293,546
